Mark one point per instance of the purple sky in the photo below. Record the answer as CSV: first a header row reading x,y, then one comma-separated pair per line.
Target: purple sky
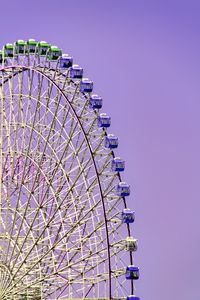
x,y
144,59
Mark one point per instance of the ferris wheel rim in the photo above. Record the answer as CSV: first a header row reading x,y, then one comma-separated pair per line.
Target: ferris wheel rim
x,y
34,68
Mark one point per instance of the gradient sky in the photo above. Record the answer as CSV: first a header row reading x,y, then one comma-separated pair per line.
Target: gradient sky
x,y
144,59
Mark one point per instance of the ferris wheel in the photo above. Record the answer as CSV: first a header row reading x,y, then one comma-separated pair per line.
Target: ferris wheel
x,y
65,228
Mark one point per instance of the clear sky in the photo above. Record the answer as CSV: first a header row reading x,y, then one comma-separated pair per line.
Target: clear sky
x,y
144,59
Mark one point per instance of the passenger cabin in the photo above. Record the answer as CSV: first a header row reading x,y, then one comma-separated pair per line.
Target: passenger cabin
x,y
8,50
128,216
66,61
132,272
76,72
31,45
118,164
104,120
132,297
86,85
20,47
111,141
43,48
54,53
1,57
95,102
131,244
123,189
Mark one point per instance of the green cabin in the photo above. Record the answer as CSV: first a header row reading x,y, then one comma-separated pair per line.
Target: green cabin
x,y
1,56
54,53
31,45
8,50
43,48
20,47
